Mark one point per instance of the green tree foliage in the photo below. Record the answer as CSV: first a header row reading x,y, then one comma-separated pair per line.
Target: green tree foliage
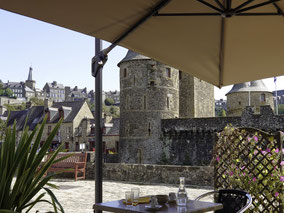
x,y
36,101
22,171
6,92
109,101
9,92
221,113
114,111
15,107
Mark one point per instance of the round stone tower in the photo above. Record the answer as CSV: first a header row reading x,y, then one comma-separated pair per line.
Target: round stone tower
x,y
149,92
253,93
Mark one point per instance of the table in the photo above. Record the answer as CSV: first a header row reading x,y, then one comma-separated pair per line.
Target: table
x,y
192,206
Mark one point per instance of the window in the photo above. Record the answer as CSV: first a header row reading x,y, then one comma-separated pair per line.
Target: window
x,y
144,102
125,72
240,103
262,98
168,72
168,102
149,129
134,80
67,146
180,75
92,130
116,146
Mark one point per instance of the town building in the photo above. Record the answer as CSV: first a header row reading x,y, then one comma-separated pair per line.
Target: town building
x,y
115,95
253,93
54,91
75,94
72,113
30,82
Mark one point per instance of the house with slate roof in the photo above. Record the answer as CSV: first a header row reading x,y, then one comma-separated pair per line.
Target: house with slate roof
x,y
110,136
75,94
72,114
54,91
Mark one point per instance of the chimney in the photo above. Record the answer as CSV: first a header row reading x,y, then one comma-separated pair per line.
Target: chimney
x,y
47,104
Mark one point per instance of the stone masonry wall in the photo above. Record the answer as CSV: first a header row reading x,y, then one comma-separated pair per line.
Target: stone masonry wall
x,y
149,174
236,102
148,93
204,103
196,97
190,141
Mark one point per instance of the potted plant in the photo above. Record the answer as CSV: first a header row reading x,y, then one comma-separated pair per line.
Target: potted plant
x,y
22,171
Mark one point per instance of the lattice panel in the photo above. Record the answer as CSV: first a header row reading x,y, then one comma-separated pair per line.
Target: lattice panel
x,y
249,159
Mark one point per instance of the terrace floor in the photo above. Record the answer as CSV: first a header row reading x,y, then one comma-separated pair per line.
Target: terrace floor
x,y
79,197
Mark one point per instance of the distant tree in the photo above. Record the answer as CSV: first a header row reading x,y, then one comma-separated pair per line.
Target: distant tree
x,y
15,107
109,101
221,113
114,111
36,101
281,109
9,92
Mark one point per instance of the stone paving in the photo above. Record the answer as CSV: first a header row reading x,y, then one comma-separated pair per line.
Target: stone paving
x,y
79,197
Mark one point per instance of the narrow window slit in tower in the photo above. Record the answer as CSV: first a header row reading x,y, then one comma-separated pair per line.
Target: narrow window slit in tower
x,y
149,129
168,102
144,102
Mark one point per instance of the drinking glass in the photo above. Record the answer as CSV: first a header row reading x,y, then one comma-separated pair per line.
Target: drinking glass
x,y
136,192
129,197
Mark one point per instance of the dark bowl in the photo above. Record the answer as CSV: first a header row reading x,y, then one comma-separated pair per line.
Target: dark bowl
x,y
162,199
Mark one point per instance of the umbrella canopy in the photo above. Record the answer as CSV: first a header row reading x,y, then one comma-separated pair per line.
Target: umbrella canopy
x,y
220,41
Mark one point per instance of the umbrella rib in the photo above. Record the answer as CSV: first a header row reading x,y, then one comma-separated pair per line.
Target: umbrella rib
x,y
220,5
228,4
210,5
151,13
259,14
187,14
243,4
279,10
256,6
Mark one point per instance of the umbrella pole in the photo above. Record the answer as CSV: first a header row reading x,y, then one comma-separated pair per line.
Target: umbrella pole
x,y
97,69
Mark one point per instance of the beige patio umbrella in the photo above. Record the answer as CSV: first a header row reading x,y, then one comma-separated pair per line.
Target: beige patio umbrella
x,y
220,41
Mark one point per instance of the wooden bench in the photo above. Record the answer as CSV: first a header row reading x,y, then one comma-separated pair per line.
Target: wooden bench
x,y
75,164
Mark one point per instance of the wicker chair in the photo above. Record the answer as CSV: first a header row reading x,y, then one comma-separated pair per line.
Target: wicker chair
x,y
233,200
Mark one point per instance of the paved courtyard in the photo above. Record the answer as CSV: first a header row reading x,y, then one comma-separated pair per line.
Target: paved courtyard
x,y
79,197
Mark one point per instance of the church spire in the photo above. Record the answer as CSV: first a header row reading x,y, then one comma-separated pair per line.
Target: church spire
x,y
30,77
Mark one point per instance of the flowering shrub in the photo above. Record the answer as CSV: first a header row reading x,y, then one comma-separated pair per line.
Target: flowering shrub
x,y
250,160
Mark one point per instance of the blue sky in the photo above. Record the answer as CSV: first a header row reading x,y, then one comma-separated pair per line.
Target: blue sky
x,y
59,54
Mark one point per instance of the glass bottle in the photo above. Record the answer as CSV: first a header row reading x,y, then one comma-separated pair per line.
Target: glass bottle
x,y
181,194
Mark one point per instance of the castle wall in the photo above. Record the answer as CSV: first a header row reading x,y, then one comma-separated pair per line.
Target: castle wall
x,y
236,102
147,95
190,141
196,97
204,103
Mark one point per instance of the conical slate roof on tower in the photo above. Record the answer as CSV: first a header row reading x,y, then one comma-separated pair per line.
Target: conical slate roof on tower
x,y
30,76
131,55
252,86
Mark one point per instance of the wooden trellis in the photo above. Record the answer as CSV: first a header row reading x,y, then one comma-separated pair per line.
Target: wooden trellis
x,y
249,159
